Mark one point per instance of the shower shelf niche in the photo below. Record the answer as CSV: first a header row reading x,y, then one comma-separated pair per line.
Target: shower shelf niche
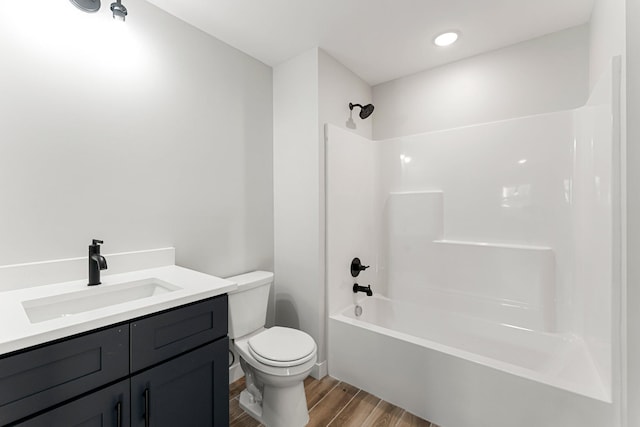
x,y
505,282
494,245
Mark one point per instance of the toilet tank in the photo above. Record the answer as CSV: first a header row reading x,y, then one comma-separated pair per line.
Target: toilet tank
x,y
248,303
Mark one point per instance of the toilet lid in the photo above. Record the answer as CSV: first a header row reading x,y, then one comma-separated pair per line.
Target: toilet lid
x,y
280,346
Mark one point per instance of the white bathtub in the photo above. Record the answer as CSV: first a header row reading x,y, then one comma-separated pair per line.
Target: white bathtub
x,y
461,371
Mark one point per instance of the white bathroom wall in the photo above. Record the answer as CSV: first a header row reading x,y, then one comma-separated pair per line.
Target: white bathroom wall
x,y
309,90
299,289
337,87
145,134
607,36
546,74
632,173
595,217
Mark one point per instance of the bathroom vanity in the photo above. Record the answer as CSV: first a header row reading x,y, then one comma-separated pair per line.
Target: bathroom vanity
x,y
165,370
158,360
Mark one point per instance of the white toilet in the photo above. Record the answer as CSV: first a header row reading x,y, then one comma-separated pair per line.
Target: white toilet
x,y
275,361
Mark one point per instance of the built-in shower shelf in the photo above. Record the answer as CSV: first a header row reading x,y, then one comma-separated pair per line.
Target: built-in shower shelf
x,y
494,245
505,272
514,282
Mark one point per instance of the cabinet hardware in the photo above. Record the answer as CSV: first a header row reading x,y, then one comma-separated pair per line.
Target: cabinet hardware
x,y
119,414
147,413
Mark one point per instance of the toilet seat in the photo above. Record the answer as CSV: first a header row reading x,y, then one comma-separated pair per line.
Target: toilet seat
x,y
282,347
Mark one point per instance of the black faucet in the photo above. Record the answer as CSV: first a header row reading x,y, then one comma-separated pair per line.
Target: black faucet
x,y
96,262
357,267
366,289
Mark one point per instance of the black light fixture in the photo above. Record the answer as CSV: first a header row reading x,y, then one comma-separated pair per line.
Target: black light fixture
x,y
91,6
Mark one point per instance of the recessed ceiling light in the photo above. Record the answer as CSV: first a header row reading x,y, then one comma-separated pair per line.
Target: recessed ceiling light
x,y
446,39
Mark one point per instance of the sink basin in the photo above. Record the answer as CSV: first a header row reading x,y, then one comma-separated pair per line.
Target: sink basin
x,y
53,307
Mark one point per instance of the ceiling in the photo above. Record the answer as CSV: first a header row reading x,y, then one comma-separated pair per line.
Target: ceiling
x,y
379,40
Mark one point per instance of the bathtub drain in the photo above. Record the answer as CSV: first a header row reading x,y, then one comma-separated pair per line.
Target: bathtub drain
x,y
358,311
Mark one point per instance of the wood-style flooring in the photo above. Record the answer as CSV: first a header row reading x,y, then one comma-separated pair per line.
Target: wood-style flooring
x,y
334,403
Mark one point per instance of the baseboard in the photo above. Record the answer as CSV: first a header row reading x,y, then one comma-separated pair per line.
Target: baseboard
x,y
235,373
320,370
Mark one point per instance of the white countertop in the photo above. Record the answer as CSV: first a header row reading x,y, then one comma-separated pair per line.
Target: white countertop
x,y
18,332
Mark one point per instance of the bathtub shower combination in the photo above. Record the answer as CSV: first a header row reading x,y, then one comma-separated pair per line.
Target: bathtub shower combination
x,y
493,254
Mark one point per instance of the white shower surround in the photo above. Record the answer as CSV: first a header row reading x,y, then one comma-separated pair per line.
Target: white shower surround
x,y
535,190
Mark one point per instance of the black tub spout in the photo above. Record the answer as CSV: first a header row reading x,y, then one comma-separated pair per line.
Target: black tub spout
x,y
366,289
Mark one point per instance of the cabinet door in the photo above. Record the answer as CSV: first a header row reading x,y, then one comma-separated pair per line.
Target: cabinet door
x,y
37,379
162,336
105,408
189,391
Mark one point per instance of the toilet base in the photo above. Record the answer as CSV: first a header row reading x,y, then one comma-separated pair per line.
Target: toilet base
x,y
281,406
250,406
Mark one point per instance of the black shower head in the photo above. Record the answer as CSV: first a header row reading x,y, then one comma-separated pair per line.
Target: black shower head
x,y
365,111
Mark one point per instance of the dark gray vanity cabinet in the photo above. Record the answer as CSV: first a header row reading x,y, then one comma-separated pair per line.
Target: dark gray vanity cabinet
x,y
166,369
34,380
166,335
192,389
108,407
181,391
